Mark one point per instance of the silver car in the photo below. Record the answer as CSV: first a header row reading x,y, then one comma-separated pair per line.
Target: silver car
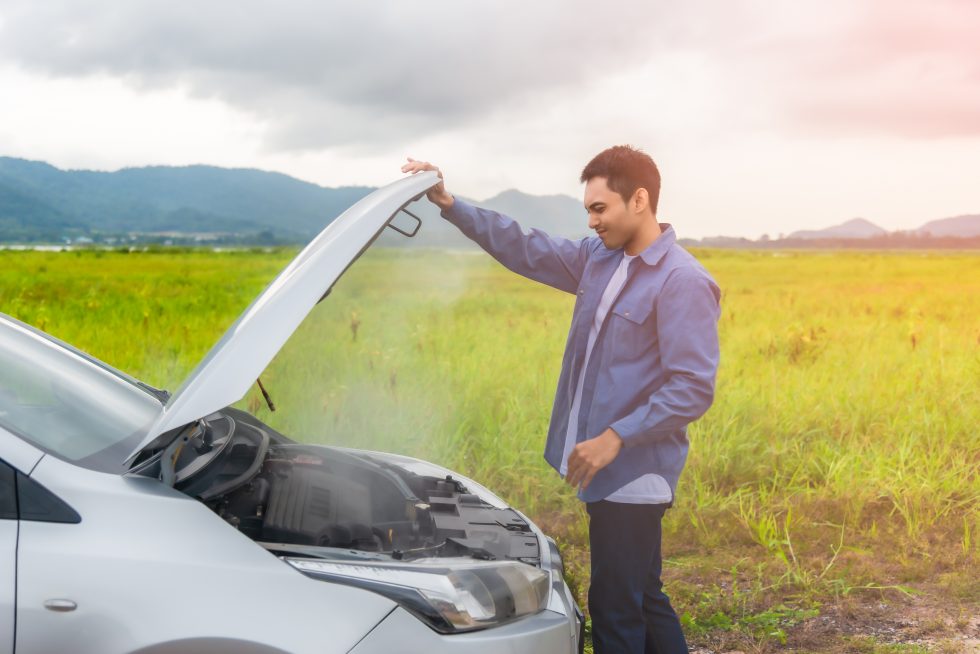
x,y
132,520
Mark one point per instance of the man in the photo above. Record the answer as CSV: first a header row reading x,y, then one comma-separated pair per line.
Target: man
x,y
639,365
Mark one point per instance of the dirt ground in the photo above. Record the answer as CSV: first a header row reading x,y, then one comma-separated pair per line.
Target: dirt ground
x,y
921,623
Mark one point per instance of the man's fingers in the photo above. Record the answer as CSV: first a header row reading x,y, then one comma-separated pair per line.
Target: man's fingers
x,y
578,470
573,466
582,475
416,164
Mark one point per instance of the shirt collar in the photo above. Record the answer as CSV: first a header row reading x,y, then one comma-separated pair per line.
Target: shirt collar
x,y
656,250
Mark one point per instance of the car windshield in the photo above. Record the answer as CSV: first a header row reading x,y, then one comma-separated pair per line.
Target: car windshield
x,y
65,404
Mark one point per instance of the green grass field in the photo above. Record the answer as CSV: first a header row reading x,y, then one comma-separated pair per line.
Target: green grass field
x,y
832,488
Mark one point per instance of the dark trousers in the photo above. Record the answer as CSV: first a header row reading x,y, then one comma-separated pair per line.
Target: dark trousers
x,y
630,612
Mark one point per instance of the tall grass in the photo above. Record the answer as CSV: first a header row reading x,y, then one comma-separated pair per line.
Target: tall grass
x,y
841,455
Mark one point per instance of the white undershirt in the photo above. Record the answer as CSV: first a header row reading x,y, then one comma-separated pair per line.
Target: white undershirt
x,y
650,488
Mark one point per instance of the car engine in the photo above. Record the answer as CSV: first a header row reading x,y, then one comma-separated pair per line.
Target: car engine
x,y
286,495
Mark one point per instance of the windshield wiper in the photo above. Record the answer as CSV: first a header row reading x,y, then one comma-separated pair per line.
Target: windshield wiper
x,y
159,393
265,394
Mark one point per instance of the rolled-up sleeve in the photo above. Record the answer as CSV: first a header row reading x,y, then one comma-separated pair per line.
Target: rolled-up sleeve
x,y
535,254
687,312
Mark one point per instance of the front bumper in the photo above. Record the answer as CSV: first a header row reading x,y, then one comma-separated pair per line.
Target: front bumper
x,y
546,632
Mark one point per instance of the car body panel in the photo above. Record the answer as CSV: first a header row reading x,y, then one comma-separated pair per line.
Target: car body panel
x,y
149,567
8,582
240,356
18,453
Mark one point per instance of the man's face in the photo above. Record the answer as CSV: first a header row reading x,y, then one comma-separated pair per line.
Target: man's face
x,y
609,216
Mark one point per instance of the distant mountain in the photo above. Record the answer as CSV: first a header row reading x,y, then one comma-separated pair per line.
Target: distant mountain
x,y
558,215
855,228
39,202
958,233
717,242
22,215
38,196
962,226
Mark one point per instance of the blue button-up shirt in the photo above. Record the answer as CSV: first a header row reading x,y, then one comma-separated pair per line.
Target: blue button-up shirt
x,y
653,365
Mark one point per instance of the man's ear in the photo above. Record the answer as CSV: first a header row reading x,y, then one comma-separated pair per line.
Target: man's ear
x,y
640,200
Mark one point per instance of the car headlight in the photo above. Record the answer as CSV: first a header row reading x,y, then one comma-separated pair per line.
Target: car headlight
x,y
448,597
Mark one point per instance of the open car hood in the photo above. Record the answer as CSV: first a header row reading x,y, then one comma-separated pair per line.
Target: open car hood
x,y
236,361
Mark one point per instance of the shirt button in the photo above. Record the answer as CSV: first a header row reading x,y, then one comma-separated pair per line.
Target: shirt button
x,y
627,313
582,292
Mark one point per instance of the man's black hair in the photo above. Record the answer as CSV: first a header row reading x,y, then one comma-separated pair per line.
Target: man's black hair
x,y
626,169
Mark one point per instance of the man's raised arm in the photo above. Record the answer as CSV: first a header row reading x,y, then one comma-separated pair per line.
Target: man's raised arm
x,y
551,260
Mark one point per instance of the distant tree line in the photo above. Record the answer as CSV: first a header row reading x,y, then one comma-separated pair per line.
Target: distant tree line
x,y
891,241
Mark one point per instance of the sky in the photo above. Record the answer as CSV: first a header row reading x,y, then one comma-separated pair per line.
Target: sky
x,y
763,117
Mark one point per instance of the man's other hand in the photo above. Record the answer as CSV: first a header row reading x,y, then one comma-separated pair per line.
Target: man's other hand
x,y
591,456
437,194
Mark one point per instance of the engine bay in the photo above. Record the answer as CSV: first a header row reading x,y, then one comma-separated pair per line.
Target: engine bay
x,y
286,495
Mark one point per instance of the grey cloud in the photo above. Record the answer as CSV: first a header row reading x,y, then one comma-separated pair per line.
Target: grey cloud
x,y
325,74
331,74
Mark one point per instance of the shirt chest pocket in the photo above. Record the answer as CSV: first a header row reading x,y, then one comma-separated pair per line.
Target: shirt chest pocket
x,y
632,327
